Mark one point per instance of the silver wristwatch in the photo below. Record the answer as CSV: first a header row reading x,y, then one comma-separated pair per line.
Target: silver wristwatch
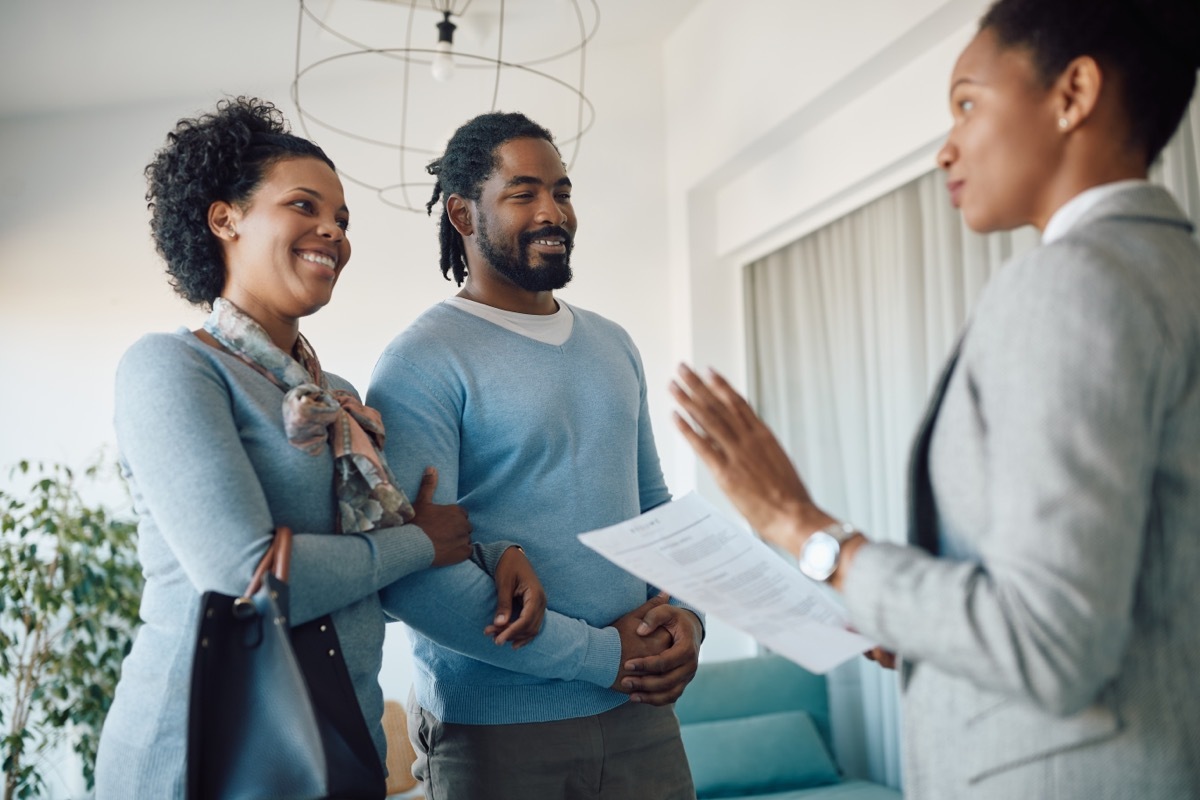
x,y
821,552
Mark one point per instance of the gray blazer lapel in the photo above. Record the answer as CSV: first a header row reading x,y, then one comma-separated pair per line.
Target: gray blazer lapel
x,y
1148,203
922,510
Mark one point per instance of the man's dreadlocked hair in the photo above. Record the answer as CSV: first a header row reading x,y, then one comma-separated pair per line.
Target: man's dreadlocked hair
x,y
469,159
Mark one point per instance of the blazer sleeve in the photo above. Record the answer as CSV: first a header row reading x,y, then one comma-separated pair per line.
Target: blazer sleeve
x,y
1062,367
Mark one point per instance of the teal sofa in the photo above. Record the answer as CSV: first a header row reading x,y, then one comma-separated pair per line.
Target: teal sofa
x,y
759,728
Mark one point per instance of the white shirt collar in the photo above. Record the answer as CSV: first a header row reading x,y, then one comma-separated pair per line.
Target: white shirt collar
x,y
1073,210
553,329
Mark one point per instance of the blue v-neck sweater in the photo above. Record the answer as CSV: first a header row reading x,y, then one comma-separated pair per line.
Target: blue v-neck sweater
x,y
539,443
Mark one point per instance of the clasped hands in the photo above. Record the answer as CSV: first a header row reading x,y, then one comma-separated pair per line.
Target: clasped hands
x,y
660,649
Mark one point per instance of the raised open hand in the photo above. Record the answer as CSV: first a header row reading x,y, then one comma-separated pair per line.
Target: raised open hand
x,y
747,461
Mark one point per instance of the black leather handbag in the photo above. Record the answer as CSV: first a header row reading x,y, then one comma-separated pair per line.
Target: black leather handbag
x,y
273,712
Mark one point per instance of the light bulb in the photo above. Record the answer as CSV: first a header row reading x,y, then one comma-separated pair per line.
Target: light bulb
x,y
443,63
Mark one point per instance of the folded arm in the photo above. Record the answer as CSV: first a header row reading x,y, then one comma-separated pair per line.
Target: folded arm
x,y
179,439
454,606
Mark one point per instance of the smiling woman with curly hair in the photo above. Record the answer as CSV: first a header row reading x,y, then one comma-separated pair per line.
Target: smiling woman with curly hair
x,y
233,430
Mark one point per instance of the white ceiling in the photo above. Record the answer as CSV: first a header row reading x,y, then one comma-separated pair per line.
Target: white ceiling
x,y
64,55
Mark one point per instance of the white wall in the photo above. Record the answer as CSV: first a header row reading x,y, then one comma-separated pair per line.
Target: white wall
x,y
781,118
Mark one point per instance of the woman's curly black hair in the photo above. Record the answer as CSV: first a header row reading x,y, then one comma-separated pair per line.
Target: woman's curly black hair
x,y
1152,45
469,159
223,155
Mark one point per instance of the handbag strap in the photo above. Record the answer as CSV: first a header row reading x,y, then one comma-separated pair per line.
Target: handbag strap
x,y
278,559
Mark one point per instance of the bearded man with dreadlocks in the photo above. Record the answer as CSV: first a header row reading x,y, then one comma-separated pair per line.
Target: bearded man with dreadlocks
x,y
536,413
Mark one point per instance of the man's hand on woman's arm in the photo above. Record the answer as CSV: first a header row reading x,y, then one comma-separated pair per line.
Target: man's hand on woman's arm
x,y
446,526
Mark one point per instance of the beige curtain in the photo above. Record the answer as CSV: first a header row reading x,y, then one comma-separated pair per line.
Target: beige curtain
x,y
847,330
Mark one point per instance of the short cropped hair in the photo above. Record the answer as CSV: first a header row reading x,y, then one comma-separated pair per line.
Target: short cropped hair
x,y
1152,45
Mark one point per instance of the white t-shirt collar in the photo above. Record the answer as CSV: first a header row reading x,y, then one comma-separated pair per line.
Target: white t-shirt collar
x,y
553,329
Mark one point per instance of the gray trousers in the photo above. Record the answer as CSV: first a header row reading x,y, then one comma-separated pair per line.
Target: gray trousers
x,y
632,751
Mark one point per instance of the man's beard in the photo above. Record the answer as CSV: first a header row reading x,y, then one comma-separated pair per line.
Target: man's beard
x,y
554,273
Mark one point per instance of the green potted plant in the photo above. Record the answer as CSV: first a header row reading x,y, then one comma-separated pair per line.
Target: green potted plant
x,y
70,586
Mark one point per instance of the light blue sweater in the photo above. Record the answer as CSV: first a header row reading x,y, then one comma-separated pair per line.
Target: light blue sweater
x,y
212,474
539,443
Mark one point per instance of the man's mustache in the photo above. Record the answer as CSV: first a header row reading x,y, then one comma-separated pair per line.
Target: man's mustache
x,y
551,231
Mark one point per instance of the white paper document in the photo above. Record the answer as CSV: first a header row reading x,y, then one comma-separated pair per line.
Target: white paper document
x,y
686,548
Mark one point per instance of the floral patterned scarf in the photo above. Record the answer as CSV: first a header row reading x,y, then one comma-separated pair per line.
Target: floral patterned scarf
x,y
316,417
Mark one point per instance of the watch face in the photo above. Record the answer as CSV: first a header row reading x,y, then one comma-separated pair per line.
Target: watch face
x,y
820,556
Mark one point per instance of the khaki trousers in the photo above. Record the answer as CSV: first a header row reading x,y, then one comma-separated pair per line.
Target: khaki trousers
x,y
632,751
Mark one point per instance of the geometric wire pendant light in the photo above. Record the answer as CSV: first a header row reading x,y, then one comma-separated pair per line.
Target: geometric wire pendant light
x,y
381,84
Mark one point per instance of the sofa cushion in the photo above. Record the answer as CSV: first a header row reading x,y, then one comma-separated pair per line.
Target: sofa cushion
x,y
763,753
749,687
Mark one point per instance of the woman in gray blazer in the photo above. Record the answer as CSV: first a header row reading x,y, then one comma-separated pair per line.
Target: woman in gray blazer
x,y
1045,612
